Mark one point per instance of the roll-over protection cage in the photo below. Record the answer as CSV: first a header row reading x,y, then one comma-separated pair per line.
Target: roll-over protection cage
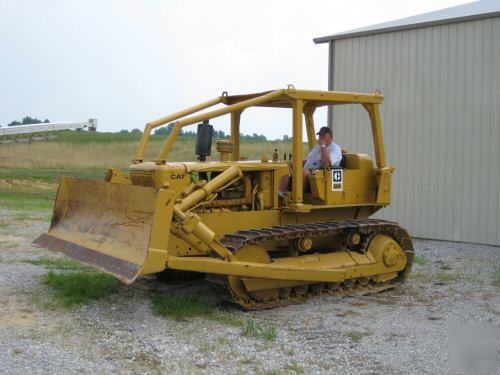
x,y
302,102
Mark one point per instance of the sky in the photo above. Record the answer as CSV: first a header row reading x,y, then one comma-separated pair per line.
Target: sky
x,y
128,62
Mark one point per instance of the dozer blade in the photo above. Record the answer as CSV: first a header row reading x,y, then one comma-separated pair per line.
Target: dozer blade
x,y
107,226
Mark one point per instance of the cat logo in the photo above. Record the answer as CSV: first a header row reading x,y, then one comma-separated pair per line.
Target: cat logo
x,y
337,180
176,176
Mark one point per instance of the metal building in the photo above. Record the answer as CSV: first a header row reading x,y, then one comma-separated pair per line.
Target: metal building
x,y
440,74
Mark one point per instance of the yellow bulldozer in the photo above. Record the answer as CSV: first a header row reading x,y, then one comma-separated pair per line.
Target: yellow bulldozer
x,y
226,220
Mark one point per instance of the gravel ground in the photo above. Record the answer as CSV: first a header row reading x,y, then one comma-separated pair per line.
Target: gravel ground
x,y
402,331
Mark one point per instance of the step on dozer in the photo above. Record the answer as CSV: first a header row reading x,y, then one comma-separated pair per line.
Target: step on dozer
x,y
228,220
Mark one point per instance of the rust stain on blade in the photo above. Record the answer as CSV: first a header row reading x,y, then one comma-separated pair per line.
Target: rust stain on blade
x,y
122,270
106,226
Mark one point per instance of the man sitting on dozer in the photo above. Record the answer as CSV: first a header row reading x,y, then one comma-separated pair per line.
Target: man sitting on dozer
x,y
326,154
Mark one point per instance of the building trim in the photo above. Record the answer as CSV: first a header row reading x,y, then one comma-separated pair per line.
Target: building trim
x,y
353,34
331,63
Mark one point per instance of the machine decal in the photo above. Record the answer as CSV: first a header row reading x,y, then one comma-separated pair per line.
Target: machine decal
x,y
337,180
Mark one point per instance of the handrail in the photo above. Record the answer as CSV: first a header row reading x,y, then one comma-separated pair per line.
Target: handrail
x,y
162,157
139,157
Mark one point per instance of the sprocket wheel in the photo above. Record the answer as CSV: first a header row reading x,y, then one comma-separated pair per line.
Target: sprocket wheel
x,y
255,254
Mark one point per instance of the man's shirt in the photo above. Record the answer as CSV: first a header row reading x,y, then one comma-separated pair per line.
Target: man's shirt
x,y
314,158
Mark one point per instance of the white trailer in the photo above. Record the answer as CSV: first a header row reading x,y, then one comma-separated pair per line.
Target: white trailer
x,y
36,132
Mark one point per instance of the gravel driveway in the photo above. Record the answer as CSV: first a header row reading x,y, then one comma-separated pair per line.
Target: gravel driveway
x,y
402,331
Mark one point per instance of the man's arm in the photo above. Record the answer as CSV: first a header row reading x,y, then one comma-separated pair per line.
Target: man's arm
x,y
325,157
335,156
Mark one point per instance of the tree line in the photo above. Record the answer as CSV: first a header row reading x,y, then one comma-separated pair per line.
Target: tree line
x,y
218,134
163,131
28,121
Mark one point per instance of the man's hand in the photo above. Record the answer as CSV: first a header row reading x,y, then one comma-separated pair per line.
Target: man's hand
x,y
325,158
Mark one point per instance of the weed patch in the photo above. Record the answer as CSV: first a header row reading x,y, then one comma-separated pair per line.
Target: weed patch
x,y
356,336
420,260
269,333
74,288
182,306
446,277
253,329
443,277
496,277
225,318
295,368
187,306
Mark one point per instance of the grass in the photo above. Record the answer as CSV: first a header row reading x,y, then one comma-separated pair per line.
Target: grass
x,y
420,260
447,277
225,318
208,347
180,307
53,263
496,277
49,175
89,154
23,202
26,195
295,368
74,288
356,336
183,307
440,276
76,138
29,172
253,329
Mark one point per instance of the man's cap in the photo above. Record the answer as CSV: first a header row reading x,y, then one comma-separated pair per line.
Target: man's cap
x,y
324,130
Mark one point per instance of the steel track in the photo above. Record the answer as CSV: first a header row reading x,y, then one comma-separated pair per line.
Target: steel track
x,y
366,228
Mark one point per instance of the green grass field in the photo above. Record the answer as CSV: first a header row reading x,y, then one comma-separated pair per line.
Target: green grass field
x,y
90,152
29,172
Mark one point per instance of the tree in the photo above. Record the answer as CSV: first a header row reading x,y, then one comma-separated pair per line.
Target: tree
x,y
161,131
286,138
135,131
28,121
219,134
124,131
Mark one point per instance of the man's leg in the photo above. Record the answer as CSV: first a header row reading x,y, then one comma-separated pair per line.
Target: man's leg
x,y
284,180
305,178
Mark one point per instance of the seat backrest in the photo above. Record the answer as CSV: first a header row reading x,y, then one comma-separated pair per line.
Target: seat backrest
x,y
342,162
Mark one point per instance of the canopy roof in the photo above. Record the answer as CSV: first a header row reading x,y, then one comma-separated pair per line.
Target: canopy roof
x,y
314,98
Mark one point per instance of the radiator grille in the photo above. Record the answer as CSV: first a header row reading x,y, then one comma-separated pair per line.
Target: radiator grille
x,y
143,179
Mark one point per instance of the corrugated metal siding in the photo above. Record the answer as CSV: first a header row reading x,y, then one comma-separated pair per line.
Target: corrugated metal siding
x,y
441,123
